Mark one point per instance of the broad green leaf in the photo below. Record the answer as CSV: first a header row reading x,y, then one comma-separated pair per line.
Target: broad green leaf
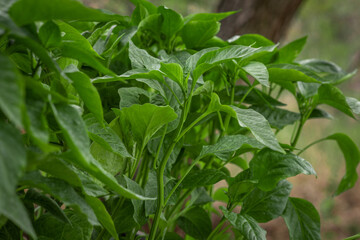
x,y
102,215
193,59
111,162
307,89
245,224
132,95
141,59
277,117
239,188
332,96
49,227
84,56
270,167
145,120
278,75
289,52
23,12
150,7
87,92
254,40
352,159
354,104
208,16
172,21
173,71
195,33
228,145
12,166
203,177
61,191
47,203
50,34
259,71
11,91
71,35
330,72
200,197
302,220
137,74
76,137
196,223
36,124
215,57
319,113
265,206
205,89
139,207
258,126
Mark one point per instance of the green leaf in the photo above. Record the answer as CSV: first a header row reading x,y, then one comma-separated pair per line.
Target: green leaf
x,y
49,227
278,75
289,52
195,33
173,71
47,203
12,166
208,16
354,104
145,120
352,160
87,92
332,96
11,91
196,223
265,206
190,63
50,35
132,95
228,145
203,177
200,197
277,117
238,188
172,21
254,40
141,59
245,224
76,137
258,71
102,215
215,57
258,126
270,167
23,12
61,191
139,208
302,220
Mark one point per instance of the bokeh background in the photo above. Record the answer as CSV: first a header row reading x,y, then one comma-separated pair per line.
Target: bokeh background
x,y
333,30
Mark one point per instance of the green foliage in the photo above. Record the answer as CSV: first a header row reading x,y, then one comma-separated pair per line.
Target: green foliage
x,y
109,124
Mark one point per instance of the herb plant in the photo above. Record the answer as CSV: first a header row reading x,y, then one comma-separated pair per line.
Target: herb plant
x,y
115,127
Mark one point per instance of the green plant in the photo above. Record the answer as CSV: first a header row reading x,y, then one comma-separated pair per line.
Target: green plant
x,y
118,127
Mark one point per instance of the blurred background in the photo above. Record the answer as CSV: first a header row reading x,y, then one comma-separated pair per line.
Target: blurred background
x,y
333,30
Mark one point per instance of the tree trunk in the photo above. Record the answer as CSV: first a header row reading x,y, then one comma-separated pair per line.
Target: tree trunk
x,y
269,18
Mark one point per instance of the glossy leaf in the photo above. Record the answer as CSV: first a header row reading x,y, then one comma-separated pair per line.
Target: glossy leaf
x,y
87,92
145,120
333,97
203,178
12,165
254,40
196,33
196,223
289,52
265,206
259,71
49,227
229,144
50,34
258,126
11,91
140,59
302,219
23,12
75,134
270,167
208,16
102,215
172,21
354,104
352,159
245,224
173,71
